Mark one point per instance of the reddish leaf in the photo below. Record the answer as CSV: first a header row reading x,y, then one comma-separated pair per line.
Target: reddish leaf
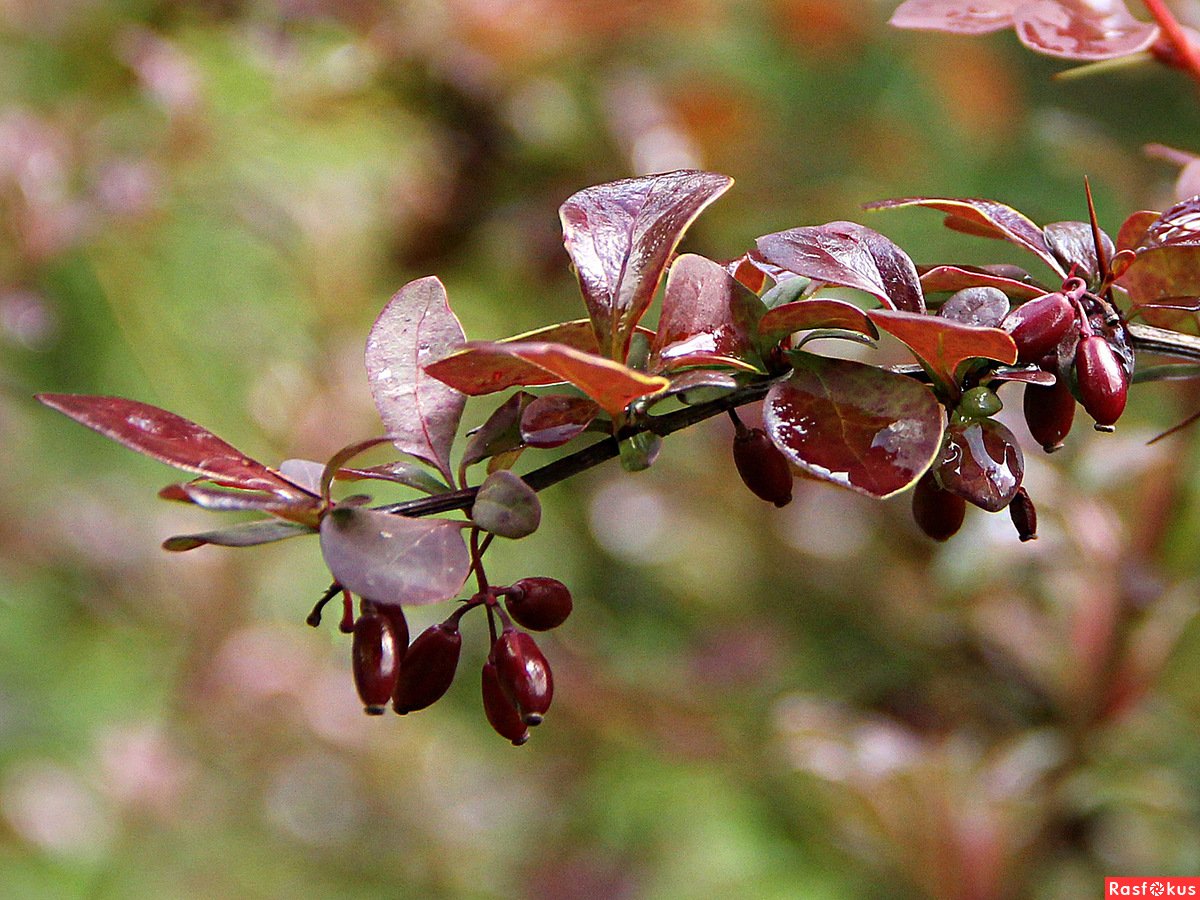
x,y
248,534
942,344
170,439
802,315
554,419
420,413
985,307
707,319
1179,226
478,370
858,426
409,474
393,560
1075,247
301,508
1082,29
937,279
746,273
981,463
1023,374
956,16
1133,229
985,218
620,237
500,433
611,384
1167,276
848,255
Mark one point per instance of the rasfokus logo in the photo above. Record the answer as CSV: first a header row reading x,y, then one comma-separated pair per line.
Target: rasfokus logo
x,y
1152,887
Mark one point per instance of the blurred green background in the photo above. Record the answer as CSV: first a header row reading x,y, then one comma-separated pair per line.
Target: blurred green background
x,y
204,204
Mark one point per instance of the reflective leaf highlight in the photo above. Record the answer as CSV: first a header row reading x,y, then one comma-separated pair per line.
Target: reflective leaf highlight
x,y
555,419
1082,29
854,425
941,344
982,463
419,412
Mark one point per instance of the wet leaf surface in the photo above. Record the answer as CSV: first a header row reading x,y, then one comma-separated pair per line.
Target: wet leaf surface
x,y
984,307
1082,29
419,412
956,278
1072,243
847,255
942,344
982,463
555,419
620,237
501,431
816,312
393,559
707,319
854,425
170,439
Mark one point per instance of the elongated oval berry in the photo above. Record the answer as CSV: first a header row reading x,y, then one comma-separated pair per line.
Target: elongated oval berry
x,y
1024,516
538,604
1036,327
428,668
763,468
524,674
938,513
375,661
500,712
1049,413
1103,387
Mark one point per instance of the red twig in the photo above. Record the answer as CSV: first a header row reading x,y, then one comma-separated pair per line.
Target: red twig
x,y
1187,53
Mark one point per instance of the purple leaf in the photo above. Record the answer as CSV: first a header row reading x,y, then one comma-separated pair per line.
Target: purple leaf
x,y
955,16
1179,226
982,306
555,419
855,425
301,509
506,506
409,474
939,279
248,534
420,413
620,237
818,312
707,319
985,218
500,433
170,439
1082,29
982,463
1074,246
848,255
394,560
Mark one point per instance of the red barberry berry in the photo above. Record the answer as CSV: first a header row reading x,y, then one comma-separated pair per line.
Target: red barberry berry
x,y
1036,327
938,513
428,668
500,712
538,604
1049,412
1024,515
375,661
1103,386
764,469
524,674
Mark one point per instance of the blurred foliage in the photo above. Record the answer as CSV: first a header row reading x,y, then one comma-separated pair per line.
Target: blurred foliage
x,y
204,204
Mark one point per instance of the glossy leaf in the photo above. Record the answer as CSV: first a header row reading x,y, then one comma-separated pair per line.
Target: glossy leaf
x,y
1023,374
1164,276
1133,229
301,508
707,319
985,218
555,419
817,312
500,433
1075,247
847,255
409,474
1082,29
611,384
393,559
170,439
1179,226
247,534
942,345
956,16
477,370
982,463
855,425
620,237
956,278
985,307
420,413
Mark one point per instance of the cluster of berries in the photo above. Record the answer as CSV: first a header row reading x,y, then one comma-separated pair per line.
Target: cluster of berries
x,y
1074,335
517,684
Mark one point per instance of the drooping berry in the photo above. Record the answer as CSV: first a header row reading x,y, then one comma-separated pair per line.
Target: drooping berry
x,y
1049,412
538,604
938,513
1024,515
428,668
500,712
1036,327
1103,386
763,468
979,403
395,616
375,661
524,674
